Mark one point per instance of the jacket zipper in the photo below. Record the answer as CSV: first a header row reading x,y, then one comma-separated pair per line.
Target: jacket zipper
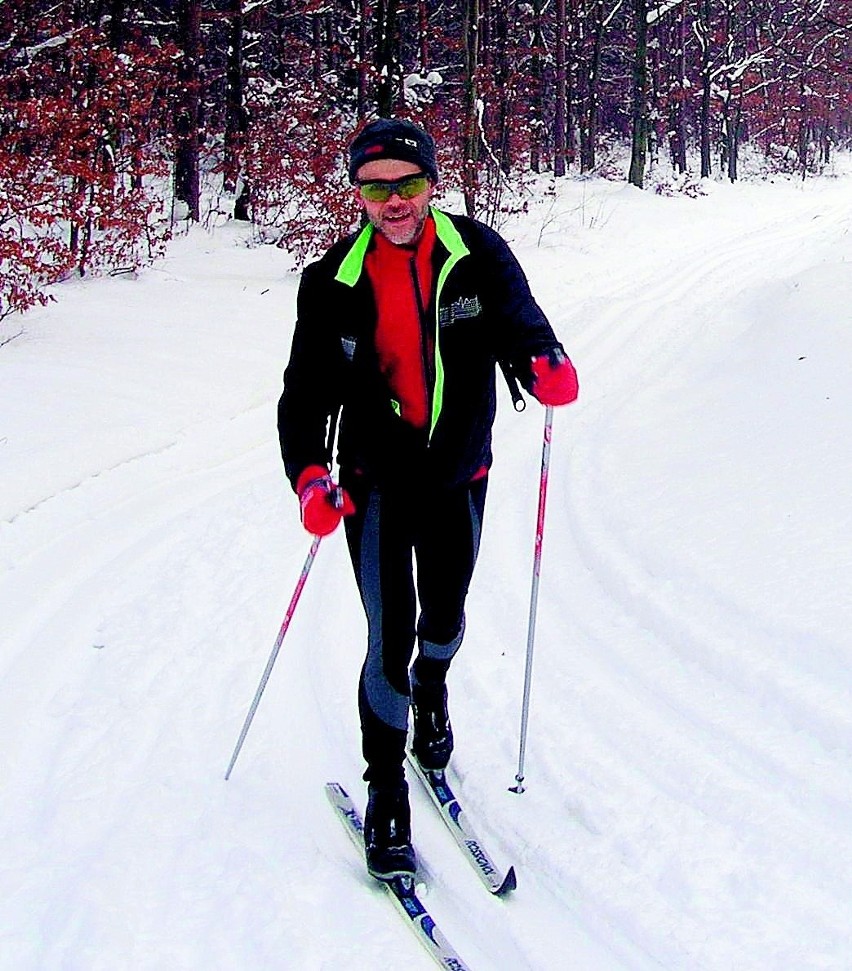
x,y
428,380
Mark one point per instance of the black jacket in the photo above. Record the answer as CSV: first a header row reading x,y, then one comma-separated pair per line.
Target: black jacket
x,y
485,312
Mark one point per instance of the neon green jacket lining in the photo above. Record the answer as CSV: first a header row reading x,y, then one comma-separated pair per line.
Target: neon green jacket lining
x,y
352,267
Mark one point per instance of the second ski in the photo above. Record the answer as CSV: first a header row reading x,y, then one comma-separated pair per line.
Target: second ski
x,y
498,882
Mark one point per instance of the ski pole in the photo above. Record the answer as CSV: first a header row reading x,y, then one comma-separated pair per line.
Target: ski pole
x,y
306,569
539,539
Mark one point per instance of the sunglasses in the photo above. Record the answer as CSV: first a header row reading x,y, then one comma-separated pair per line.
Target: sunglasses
x,y
380,190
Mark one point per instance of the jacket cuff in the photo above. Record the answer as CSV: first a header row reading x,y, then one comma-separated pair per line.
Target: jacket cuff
x,y
308,475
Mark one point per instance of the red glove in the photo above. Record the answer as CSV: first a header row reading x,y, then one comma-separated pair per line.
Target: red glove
x,y
554,378
323,503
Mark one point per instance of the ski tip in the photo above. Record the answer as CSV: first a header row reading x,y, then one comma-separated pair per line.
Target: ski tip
x,y
510,883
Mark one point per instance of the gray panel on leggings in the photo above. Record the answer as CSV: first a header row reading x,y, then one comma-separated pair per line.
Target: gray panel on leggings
x,y
385,701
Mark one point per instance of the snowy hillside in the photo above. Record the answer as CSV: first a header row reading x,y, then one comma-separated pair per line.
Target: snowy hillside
x,y
689,763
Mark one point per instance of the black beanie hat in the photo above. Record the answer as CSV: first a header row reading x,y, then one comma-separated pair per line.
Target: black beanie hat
x,y
393,138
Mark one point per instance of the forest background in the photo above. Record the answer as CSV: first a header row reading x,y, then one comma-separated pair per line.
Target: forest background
x,y
122,121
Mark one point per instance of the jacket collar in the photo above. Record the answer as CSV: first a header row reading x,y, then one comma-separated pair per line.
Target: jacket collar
x,y
352,266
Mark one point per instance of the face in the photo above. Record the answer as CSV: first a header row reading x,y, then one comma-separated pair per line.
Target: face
x,y
398,220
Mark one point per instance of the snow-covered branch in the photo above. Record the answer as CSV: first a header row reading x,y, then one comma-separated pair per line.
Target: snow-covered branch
x,y
611,16
662,10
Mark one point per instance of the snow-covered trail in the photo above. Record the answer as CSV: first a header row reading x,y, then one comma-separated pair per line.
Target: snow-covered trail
x,y
689,772
696,681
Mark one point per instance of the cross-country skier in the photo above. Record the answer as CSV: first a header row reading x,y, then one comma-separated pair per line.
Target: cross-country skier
x,y
399,328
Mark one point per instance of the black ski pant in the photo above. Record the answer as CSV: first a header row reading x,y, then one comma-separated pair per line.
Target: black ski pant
x,y
391,530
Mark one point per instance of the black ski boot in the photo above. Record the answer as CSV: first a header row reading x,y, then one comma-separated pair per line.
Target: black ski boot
x,y
387,832
433,735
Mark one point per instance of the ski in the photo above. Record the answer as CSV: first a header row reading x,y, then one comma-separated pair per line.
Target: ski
x,y
400,889
497,882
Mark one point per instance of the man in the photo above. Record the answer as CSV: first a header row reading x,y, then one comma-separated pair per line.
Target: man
x,y
399,328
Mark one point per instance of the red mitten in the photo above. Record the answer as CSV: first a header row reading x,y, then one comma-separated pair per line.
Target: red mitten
x,y
323,503
554,378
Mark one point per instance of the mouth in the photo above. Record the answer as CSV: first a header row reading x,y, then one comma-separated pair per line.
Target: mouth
x,y
399,227
393,218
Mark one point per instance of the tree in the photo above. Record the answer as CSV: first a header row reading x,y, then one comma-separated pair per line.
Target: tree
x,y
675,84
188,108
387,60
97,97
80,134
639,102
470,152
703,31
236,118
537,85
560,138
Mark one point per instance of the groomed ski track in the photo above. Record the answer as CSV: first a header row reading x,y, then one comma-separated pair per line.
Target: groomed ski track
x,y
689,776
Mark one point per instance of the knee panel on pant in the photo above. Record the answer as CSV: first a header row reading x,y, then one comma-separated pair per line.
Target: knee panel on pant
x,y
438,649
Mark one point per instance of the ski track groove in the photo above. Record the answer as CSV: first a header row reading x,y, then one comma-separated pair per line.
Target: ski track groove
x,y
670,714
92,547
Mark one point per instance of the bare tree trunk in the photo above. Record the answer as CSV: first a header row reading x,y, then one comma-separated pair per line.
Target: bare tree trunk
x,y
117,37
677,124
733,116
559,139
236,121
706,87
279,65
117,27
571,79
653,97
386,59
316,47
331,47
804,128
732,102
470,155
363,65
589,131
640,95
825,144
501,72
423,34
537,78
187,120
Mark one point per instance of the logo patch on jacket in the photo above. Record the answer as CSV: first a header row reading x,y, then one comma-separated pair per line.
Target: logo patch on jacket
x,y
462,309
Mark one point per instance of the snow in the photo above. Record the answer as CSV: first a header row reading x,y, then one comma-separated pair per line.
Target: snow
x,y
688,766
